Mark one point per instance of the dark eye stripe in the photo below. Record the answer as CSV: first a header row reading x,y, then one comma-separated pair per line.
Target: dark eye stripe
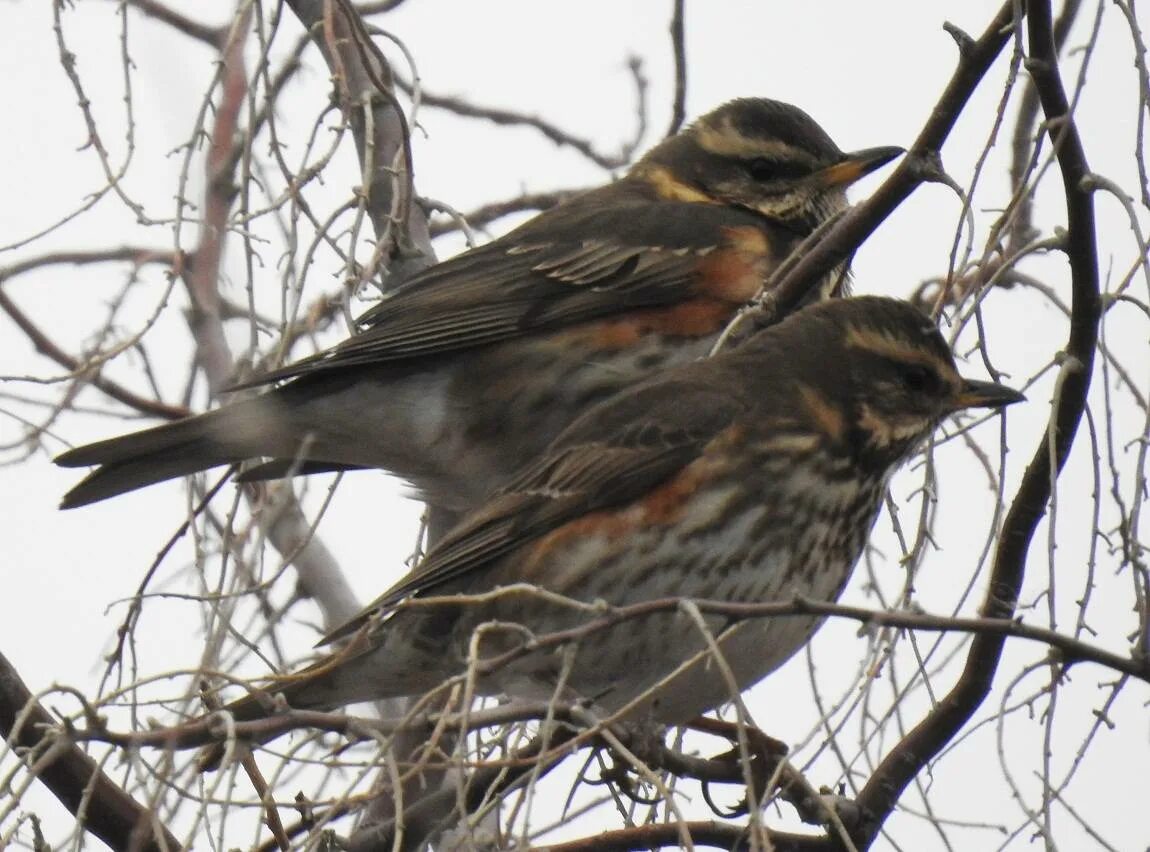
x,y
919,378
764,169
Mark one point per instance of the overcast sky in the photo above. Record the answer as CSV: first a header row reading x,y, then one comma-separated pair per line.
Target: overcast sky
x,y
868,72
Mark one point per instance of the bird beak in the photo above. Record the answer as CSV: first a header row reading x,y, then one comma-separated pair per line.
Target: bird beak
x,y
856,164
975,394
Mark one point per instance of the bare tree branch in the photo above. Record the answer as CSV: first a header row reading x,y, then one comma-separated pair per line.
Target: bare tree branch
x,y
922,163
882,736
489,213
212,36
679,57
364,83
101,805
1028,507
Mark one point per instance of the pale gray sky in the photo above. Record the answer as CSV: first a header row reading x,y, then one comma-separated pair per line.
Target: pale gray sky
x,y
868,72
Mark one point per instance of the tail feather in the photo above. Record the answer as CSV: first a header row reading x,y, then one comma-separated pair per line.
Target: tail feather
x,y
150,456
279,468
325,685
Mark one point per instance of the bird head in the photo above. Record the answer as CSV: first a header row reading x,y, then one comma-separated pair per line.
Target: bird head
x,y
877,377
761,155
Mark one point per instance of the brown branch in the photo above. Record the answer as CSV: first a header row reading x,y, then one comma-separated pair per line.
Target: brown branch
x,y
213,36
210,730
365,88
921,164
73,777
378,7
510,118
290,533
202,276
991,624
763,762
933,733
1021,144
310,819
679,56
135,255
207,731
46,347
431,813
488,213
727,768
364,84
707,834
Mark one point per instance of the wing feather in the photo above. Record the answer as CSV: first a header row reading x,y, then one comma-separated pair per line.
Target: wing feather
x,y
594,465
590,258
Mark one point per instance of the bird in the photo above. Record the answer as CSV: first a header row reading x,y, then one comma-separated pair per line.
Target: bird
x,y
475,364
751,476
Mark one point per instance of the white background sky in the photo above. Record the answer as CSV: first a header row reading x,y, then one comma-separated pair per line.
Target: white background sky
x,y
868,72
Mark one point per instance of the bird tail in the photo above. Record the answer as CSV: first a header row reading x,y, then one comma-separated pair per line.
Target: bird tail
x,y
154,455
334,681
256,705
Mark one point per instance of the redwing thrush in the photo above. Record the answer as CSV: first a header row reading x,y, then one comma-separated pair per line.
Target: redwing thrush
x,y
752,476
476,364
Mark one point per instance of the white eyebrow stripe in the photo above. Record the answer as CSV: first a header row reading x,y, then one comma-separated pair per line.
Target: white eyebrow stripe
x,y
726,141
887,345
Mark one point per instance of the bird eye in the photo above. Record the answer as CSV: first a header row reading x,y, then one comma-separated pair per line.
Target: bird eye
x,y
764,169
760,168
918,378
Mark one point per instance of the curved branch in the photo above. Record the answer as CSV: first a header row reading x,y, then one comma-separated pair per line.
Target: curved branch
x,y
136,255
679,56
207,730
1022,226
953,711
211,36
921,164
74,778
365,84
511,118
48,348
480,217
704,834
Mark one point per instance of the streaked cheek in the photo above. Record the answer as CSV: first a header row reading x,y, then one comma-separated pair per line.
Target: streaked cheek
x,y
887,430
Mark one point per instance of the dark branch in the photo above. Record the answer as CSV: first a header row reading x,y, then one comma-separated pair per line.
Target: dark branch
x,y
953,711
46,347
921,164
433,812
488,213
365,86
73,777
1021,145
511,118
213,36
705,834
679,56
207,730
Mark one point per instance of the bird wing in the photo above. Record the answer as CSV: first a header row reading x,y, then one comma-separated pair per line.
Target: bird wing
x,y
616,453
600,254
